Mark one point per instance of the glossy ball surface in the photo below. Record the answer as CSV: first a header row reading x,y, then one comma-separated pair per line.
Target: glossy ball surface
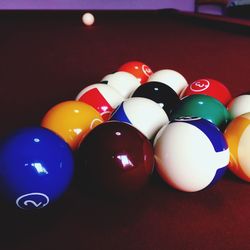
x,y
115,159
239,105
209,87
36,167
88,19
71,120
139,69
170,77
160,93
191,154
237,135
144,114
205,107
123,82
101,97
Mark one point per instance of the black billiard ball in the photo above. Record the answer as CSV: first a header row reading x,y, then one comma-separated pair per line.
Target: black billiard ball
x,y
159,92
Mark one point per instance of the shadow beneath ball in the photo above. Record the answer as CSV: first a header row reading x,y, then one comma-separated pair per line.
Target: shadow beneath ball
x,y
232,177
18,225
103,208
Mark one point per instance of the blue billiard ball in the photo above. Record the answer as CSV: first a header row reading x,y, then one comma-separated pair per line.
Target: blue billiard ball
x,y
36,167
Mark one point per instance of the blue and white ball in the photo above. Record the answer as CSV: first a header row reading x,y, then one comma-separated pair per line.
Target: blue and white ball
x,y
191,154
142,113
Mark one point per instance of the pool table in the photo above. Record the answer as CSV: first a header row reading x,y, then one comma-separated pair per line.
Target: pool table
x,y
47,57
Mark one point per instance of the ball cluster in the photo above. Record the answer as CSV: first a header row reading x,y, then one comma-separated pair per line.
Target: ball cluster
x,y
123,127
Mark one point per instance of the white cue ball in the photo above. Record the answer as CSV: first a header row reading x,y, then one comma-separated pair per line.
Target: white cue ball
x,y
88,19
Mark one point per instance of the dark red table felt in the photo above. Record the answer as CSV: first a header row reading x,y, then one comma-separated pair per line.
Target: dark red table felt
x,y
48,56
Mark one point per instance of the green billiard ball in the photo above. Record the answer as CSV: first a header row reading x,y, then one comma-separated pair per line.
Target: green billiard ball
x,y
205,107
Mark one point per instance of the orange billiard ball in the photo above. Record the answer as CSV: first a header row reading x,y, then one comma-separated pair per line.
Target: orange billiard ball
x,y
71,120
237,135
139,69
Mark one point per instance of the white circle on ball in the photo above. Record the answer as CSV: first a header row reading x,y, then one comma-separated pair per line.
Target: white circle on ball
x,y
25,200
198,86
146,70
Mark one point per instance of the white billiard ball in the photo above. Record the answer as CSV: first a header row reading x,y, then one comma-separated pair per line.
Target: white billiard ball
x,y
102,97
123,82
142,113
172,78
88,19
191,154
239,105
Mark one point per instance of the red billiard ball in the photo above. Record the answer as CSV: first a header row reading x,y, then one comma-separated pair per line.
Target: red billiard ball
x,y
138,69
209,87
115,159
102,97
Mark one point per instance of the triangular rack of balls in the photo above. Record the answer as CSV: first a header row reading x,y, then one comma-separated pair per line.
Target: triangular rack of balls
x,y
122,128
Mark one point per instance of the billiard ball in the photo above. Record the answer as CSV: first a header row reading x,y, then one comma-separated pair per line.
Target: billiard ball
x,y
139,69
36,167
123,82
144,114
114,159
71,120
170,77
191,154
237,135
102,97
239,105
88,19
209,87
160,93
203,106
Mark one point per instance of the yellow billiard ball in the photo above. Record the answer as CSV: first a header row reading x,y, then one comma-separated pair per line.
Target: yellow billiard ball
x,y
71,120
237,135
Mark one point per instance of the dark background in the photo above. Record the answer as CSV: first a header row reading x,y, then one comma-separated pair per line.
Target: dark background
x,y
48,57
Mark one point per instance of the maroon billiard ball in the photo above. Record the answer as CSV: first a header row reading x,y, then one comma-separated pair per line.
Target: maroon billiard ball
x,y
115,159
